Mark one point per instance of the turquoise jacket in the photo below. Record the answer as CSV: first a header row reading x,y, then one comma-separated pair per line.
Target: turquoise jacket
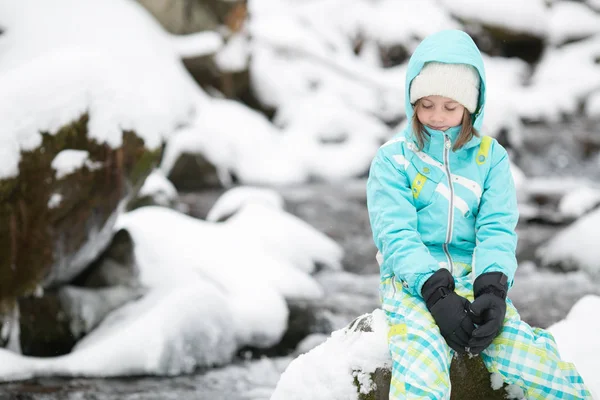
x,y
433,207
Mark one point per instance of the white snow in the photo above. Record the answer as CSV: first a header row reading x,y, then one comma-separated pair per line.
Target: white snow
x,y
592,107
595,4
578,341
197,44
213,288
181,327
68,161
55,200
233,57
240,258
519,16
326,372
579,201
570,20
216,286
234,199
553,91
59,60
240,140
159,188
576,246
391,22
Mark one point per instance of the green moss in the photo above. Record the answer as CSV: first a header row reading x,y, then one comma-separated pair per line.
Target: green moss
x,y
381,377
34,237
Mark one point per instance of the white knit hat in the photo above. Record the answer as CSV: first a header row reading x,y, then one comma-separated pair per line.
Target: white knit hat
x,y
459,82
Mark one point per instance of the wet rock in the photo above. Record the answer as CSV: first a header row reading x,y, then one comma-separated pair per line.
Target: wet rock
x,y
86,308
44,326
194,172
114,267
52,225
503,42
52,323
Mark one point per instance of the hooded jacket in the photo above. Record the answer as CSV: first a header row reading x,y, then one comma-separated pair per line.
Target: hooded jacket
x,y
434,207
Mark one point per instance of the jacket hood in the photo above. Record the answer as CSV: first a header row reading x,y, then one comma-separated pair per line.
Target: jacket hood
x,y
451,47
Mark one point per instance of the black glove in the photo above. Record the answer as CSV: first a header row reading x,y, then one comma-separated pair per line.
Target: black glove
x,y
488,309
449,310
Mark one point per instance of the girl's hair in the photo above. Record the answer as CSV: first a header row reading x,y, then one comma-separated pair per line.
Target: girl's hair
x,y
467,131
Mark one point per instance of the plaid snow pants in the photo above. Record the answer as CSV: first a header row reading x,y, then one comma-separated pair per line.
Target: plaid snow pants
x,y
522,355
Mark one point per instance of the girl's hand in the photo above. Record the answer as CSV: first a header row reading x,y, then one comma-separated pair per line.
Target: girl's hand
x,y
449,310
488,309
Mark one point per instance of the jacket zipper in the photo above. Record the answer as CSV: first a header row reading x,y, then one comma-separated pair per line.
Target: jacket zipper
x,y
447,146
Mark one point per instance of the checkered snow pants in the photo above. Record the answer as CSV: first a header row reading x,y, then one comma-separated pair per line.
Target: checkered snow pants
x,y
522,355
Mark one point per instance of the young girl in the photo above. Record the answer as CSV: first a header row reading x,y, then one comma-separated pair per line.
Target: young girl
x,y
443,210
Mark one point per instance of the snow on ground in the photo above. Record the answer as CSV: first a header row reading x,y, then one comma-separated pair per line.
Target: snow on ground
x,y
247,257
212,289
197,44
326,372
59,60
575,247
578,202
159,188
562,29
182,327
553,91
592,109
521,17
233,57
578,341
234,199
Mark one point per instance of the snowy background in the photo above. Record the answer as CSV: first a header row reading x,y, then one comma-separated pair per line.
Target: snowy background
x,y
222,269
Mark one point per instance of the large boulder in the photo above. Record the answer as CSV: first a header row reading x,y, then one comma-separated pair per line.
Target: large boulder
x,y
57,214
355,363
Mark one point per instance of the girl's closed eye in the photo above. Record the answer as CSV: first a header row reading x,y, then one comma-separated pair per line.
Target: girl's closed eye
x,y
450,108
427,106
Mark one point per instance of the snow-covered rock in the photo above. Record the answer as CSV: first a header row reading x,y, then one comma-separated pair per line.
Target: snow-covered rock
x,y
354,363
575,247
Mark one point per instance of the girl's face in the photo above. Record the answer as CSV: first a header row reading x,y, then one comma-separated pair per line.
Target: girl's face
x,y
439,113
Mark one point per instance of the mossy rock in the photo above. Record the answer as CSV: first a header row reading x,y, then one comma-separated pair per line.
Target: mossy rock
x,y
469,378
41,242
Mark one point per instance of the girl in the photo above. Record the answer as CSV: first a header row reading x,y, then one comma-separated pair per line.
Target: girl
x,y
443,211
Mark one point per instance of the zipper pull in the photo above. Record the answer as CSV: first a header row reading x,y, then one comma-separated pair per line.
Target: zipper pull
x,y
447,141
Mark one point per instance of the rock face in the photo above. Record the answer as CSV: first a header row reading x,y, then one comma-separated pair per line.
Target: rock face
x,y
54,223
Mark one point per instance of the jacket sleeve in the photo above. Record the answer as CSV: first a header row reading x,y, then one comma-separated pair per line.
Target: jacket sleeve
x,y
393,218
496,239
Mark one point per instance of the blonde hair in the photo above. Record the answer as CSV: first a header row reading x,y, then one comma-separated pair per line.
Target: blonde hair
x,y
467,131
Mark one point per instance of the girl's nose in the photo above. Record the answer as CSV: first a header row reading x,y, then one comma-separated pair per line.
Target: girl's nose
x,y
437,117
